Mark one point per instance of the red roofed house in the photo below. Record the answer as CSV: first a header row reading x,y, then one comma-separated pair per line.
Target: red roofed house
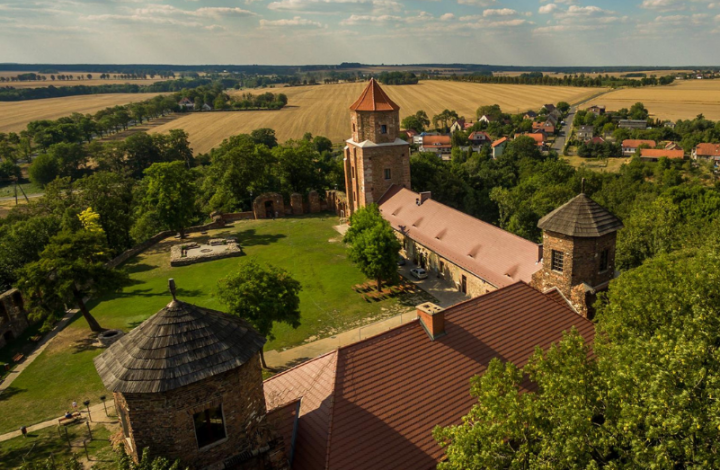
x,y
498,147
539,138
546,126
478,138
439,144
186,103
654,155
373,405
707,152
630,146
596,140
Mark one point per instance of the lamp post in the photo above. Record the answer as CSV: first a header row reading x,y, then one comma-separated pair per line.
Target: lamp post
x,y
87,405
102,397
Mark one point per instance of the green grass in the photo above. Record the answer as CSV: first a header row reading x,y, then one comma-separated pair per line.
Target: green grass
x,y
8,189
65,372
39,445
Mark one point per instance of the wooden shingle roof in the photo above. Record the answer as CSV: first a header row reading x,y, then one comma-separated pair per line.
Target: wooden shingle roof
x,y
373,98
581,217
180,345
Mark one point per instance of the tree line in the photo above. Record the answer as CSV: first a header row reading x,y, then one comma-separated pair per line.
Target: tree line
x,y
576,80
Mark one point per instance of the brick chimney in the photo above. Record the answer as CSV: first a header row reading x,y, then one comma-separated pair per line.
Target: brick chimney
x,y
432,318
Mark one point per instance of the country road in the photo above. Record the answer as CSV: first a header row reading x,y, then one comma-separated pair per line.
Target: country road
x,y
564,133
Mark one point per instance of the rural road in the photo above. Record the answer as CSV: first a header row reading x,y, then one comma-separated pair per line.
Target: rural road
x,y
559,144
20,196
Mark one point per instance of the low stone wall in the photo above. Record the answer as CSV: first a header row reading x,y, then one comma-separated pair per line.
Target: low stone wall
x,y
232,217
196,254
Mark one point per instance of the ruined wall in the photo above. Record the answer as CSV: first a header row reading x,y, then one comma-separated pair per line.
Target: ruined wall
x,y
164,423
268,206
13,317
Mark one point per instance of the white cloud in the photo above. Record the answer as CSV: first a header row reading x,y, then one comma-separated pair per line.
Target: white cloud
x,y
305,5
500,12
358,19
663,5
575,11
295,21
447,17
549,8
479,3
563,28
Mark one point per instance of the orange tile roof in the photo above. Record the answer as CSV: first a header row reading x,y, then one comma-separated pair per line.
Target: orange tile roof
x,y
389,391
437,141
499,141
635,143
489,252
708,150
539,138
659,153
373,98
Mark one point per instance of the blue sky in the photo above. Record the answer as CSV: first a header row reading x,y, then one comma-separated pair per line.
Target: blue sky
x,y
511,32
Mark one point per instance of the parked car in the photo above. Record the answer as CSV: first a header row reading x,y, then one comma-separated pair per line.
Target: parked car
x,y
401,261
419,273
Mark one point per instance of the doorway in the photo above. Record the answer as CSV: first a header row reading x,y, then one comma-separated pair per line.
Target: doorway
x,y
269,210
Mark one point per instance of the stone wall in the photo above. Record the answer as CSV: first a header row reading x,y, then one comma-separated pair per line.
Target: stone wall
x,y
314,202
163,422
296,203
337,202
268,206
436,265
367,125
13,317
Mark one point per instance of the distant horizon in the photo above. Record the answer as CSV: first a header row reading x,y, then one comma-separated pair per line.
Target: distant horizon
x,y
303,32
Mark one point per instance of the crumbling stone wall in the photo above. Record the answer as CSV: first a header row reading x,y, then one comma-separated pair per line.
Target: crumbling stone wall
x,y
13,316
296,203
163,422
314,202
268,206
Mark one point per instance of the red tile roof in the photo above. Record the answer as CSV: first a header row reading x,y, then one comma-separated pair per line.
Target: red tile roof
x,y
658,153
437,141
480,135
391,390
502,140
635,143
708,150
597,140
538,137
373,98
489,252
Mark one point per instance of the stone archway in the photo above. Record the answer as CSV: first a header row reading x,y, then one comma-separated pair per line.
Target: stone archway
x,y
268,206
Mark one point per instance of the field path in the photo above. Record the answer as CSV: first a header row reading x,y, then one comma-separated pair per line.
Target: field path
x,y
323,109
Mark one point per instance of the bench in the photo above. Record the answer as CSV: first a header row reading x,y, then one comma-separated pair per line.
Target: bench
x,y
65,421
18,357
35,338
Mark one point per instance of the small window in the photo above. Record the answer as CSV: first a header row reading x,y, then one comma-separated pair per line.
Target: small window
x,y
353,171
387,173
124,421
383,129
604,260
353,127
209,426
557,261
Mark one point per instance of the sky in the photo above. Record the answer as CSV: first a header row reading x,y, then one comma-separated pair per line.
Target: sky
x,y
295,32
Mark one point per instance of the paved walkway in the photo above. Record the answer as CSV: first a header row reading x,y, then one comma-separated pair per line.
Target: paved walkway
x,y
15,373
97,413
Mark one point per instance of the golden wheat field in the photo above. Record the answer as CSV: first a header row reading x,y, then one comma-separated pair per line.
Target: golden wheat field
x,y
15,115
323,109
681,100
93,82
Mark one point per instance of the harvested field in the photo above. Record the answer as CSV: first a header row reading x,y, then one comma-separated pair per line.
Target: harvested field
x,y
681,100
323,109
93,82
15,115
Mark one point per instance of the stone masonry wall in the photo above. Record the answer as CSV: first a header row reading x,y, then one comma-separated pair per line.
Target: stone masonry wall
x,y
368,164
450,272
367,126
13,317
163,422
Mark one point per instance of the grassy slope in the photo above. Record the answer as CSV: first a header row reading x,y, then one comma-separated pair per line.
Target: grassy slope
x,y
64,372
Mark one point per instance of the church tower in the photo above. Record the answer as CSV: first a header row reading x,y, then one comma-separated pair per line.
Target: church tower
x,y
375,158
578,252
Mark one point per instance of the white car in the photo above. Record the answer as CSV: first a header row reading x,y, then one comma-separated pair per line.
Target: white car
x,y
419,273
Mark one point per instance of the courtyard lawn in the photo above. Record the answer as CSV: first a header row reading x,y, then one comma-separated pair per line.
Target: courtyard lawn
x,y
308,247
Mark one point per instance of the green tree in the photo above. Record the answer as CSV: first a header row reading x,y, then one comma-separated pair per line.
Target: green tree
x,y
71,267
563,106
169,196
264,136
262,295
43,169
322,144
373,245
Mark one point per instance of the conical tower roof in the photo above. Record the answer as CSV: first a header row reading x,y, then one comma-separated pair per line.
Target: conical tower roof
x,y
373,98
581,217
179,345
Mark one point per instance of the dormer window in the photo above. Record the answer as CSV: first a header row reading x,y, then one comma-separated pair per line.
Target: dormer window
x,y
383,129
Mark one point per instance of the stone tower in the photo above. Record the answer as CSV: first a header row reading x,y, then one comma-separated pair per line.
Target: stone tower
x,y
187,385
375,158
578,252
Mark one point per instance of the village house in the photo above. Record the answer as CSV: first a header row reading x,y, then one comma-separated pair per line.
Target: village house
x,y
706,151
669,124
630,146
548,127
409,134
549,108
653,155
596,110
460,125
418,138
487,119
439,144
477,139
595,141
633,124
187,104
498,147
670,145
585,133
553,117
531,115
538,137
